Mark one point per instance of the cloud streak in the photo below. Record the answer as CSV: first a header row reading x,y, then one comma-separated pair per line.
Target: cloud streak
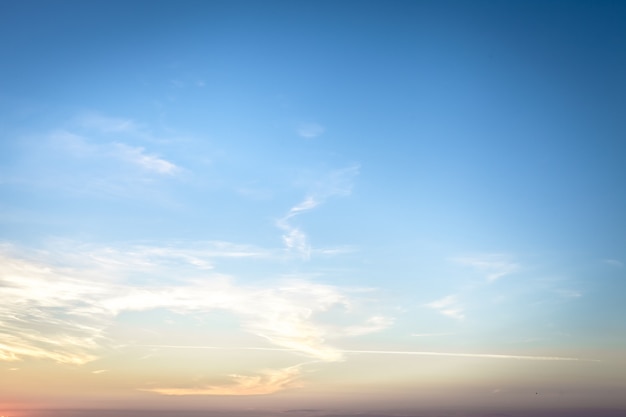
x,y
60,304
337,183
97,136
448,306
105,124
59,309
266,382
112,156
492,266
471,355
147,162
403,352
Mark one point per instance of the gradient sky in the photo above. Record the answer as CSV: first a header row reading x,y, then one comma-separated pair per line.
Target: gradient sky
x,y
330,207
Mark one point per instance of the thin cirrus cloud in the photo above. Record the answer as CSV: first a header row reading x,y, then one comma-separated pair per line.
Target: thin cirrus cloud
x,y
59,305
109,150
448,306
271,381
274,380
48,313
267,381
59,309
470,355
105,124
492,266
112,130
145,161
79,146
337,183
405,352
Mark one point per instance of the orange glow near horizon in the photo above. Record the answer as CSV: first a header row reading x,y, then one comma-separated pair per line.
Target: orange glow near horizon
x,y
312,209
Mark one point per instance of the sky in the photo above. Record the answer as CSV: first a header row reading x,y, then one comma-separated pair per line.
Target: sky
x,y
312,208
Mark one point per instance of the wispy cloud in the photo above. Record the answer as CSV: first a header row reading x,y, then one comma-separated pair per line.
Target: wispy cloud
x,y
147,162
106,124
492,266
448,306
59,304
337,183
114,158
106,148
471,355
265,382
59,307
294,238
415,353
79,146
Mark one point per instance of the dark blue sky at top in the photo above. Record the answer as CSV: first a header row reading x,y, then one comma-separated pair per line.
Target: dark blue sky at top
x,y
495,105
464,161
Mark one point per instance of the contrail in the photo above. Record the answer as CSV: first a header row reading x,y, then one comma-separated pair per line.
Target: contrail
x,y
470,355
391,352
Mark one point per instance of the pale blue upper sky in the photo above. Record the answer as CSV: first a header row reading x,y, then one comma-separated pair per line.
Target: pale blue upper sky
x,y
455,170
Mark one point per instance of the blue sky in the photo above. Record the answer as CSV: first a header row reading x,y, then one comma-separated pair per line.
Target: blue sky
x,y
289,201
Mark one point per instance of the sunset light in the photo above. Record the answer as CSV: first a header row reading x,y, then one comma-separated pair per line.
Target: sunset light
x,y
312,208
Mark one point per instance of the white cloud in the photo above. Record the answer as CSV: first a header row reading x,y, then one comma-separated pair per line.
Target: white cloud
x,y
308,203
147,162
265,382
336,183
471,355
103,150
59,306
273,380
96,136
80,147
448,306
442,302
294,239
419,353
493,266
455,313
